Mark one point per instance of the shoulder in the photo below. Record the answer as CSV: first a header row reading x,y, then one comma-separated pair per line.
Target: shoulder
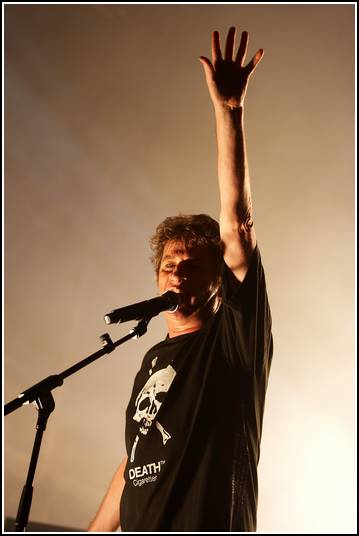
x,y
230,281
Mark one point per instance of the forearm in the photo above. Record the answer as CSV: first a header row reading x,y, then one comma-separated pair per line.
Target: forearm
x,y
233,174
107,518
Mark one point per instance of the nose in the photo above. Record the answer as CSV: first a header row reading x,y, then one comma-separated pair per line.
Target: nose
x,y
177,277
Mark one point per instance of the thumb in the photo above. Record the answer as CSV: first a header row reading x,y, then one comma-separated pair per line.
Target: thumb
x,y
208,71
208,67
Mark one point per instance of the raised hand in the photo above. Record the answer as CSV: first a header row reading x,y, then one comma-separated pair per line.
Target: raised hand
x,y
227,78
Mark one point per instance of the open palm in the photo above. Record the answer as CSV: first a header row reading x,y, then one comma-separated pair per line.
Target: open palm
x,y
227,78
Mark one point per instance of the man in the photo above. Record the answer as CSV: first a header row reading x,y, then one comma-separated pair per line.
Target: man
x,y
194,420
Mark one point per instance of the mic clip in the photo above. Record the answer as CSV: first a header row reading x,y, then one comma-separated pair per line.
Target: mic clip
x,y
141,327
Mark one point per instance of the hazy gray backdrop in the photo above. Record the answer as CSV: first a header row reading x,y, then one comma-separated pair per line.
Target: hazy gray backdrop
x,y
108,129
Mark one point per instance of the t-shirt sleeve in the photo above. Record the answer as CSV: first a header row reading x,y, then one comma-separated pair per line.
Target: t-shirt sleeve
x,y
247,322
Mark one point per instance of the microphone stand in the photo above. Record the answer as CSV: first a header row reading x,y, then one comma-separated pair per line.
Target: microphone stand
x,y
40,395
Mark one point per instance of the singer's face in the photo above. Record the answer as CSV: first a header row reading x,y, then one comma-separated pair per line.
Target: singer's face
x,y
190,272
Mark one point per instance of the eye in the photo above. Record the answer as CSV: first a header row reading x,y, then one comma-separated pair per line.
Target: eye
x,y
144,403
193,265
168,267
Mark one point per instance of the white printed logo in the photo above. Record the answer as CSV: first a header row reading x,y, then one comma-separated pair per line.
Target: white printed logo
x,y
149,401
146,473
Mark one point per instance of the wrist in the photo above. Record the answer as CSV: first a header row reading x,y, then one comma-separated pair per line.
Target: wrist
x,y
227,117
223,109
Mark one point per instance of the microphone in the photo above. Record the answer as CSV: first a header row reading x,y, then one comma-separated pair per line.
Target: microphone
x,y
169,301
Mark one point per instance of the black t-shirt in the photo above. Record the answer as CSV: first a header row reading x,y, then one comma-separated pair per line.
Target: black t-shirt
x,y
194,420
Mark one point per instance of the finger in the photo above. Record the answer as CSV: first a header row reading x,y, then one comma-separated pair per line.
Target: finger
x,y
230,44
208,69
210,74
216,48
254,62
242,48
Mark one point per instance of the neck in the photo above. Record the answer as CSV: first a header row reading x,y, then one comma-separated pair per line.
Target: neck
x,y
179,324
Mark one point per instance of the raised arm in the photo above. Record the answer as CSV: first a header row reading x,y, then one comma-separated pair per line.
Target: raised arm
x,y
227,81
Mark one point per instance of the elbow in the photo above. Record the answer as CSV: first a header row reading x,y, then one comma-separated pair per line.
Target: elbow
x,y
236,225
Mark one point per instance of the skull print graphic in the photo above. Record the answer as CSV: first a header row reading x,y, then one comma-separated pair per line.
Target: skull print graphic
x,y
149,401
